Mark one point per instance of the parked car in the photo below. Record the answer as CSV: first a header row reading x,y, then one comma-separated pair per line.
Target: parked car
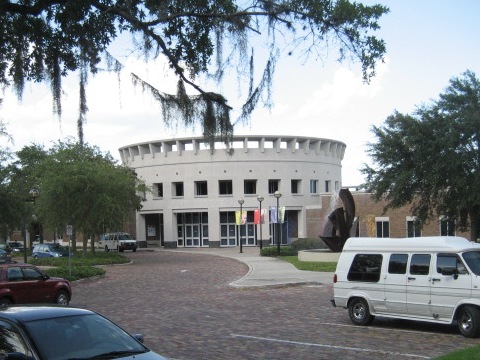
x,y
6,247
5,257
46,333
26,284
16,246
120,241
49,250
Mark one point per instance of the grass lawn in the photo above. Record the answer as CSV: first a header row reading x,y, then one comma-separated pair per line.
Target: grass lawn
x,y
472,353
80,265
310,265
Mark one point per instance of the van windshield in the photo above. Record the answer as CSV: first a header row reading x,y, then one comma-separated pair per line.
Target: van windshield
x,y
124,237
472,258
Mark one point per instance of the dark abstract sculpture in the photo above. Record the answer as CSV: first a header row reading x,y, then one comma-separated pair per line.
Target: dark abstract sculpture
x,y
341,223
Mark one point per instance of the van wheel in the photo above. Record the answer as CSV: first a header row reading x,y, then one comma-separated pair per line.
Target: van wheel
x,y
106,248
359,312
469,321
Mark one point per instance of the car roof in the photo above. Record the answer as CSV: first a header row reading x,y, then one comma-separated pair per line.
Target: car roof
x,y
32,313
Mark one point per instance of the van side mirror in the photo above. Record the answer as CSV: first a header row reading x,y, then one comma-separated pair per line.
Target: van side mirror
x,y
448,270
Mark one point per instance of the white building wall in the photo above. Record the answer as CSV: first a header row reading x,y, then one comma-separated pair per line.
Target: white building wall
x,y
260,158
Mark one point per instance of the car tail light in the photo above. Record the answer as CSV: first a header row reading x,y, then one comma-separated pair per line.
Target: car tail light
x,y
334,278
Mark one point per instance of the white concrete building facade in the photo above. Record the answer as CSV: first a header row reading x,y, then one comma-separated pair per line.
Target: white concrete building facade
x,y
196,188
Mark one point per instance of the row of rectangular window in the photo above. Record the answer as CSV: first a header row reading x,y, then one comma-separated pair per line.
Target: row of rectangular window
x,y
447,228
225,187
367,267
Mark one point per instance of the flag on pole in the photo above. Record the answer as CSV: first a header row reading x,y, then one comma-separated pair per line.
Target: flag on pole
x,y
281,214
273,215
256,216
244,217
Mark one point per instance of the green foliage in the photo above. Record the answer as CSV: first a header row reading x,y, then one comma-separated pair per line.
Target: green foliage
x,y
82,259
307,244
80,265
429,160
75,272
284,251
80,186
12,208
311,265
46,40
472,353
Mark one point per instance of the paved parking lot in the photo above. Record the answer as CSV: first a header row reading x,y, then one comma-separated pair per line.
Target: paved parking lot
x,y
183,304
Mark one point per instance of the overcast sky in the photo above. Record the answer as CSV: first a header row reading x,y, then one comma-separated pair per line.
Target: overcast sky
x,y
428,43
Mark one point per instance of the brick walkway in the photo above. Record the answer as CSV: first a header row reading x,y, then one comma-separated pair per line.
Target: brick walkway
x,y
183,304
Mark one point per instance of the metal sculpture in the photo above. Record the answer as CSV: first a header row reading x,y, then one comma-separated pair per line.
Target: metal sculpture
x,y
341,223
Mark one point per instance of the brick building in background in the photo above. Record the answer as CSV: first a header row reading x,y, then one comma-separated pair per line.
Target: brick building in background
x,y
397,223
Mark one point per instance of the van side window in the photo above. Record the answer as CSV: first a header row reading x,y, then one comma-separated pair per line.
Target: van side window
x,y
451,262
420,264
398,264
365,267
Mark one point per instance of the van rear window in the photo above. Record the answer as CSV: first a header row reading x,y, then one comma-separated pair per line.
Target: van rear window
x,y
365,267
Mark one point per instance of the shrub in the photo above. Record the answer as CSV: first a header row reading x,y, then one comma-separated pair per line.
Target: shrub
x,y
284,251
75,273
310,243
81,259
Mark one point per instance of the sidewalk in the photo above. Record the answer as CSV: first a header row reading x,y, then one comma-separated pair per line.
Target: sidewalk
x,y
265,271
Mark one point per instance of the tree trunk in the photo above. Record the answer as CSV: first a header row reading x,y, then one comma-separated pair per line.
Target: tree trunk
x,y
85,244
92,243
474,223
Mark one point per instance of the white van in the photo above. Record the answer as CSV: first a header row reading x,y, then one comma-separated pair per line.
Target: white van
x,y
435,279
119,241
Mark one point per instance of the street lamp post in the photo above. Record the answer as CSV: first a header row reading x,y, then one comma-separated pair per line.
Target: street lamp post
x,y
260,199
33,195
240,226
278,195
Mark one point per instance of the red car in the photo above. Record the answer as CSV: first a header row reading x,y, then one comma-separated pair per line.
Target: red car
x,y
26,284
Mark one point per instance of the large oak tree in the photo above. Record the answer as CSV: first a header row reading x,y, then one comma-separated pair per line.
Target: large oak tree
x,y
78,185
430,160
45,40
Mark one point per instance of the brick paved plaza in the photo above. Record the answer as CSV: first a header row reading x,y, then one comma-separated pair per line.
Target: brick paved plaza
x,y
184,306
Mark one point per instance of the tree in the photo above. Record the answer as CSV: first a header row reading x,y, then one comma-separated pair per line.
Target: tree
x,y
10,207
23,177
82,187
78,186
44,40
431,159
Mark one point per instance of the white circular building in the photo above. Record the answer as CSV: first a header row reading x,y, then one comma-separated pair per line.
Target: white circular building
x,y
197,190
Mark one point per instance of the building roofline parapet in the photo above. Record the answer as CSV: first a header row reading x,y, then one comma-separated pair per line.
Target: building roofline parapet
x,y
245,143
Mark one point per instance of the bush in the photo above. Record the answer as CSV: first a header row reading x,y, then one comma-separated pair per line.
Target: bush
x,y
81,259
75,273
284,251
307,244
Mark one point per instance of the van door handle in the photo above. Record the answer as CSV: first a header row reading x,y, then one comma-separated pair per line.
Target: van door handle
x,y
411,278
435,279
